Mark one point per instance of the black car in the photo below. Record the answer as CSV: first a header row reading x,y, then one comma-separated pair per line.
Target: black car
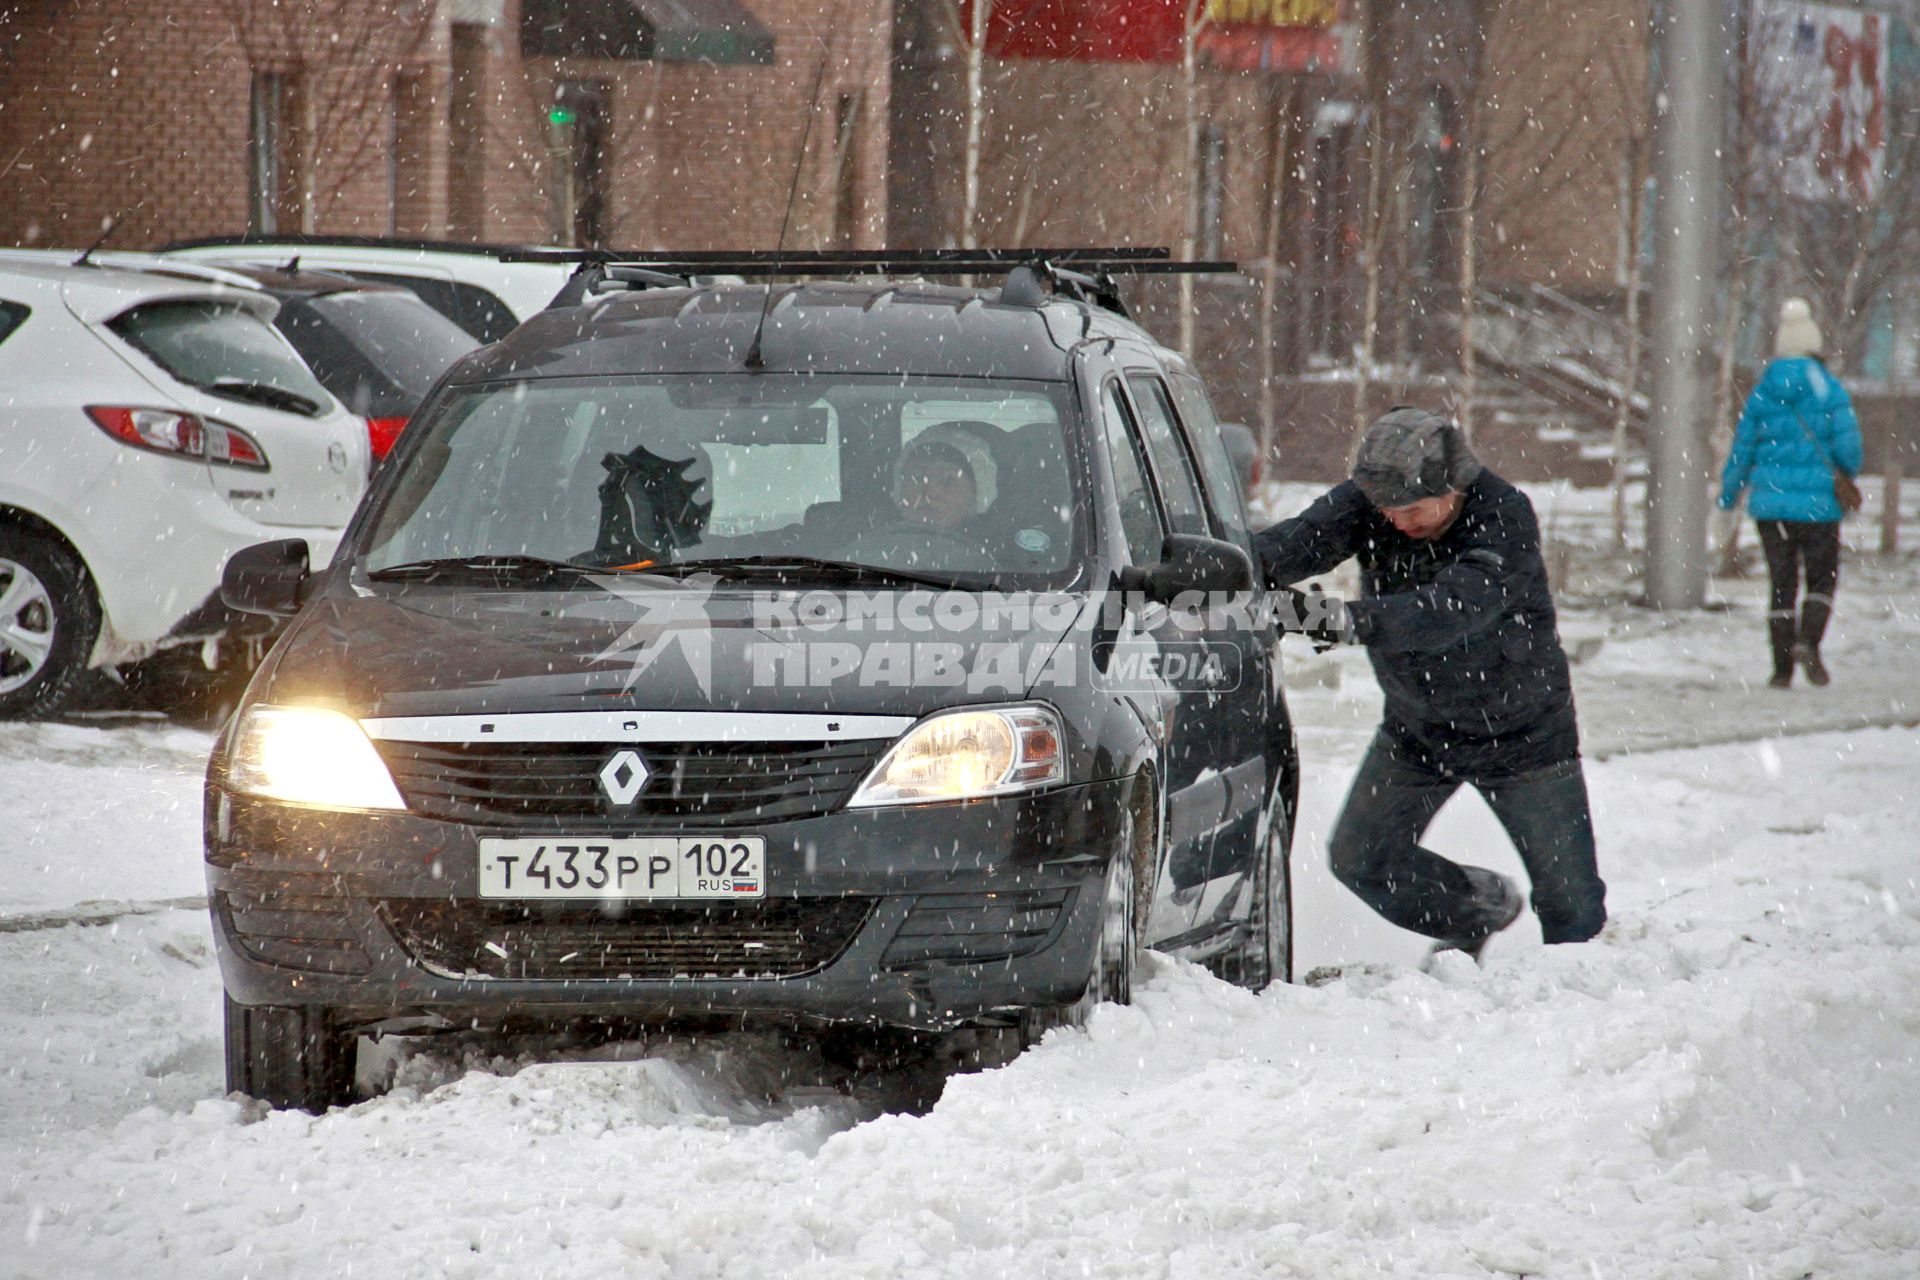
x,y
832,653
376,347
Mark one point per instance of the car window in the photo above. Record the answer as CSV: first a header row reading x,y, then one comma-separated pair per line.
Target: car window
x,y
471,307
395,335
12,316
1179,490
215,345
1140,520
967,477
1221,477
771,483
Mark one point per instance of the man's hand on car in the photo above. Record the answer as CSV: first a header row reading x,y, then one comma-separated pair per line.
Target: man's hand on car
x,y
1321,618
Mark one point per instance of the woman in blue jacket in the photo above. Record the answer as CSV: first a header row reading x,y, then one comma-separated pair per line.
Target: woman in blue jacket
x,y
1797,428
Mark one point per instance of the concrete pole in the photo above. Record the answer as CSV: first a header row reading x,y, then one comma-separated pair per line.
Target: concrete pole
x,y
1692,51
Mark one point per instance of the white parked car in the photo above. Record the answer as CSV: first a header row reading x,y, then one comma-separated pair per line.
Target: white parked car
x,y
467,283
150,426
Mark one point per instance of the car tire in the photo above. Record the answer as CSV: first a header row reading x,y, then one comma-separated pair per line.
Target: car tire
x,y
49,619
289,1056
1117,949
1269,951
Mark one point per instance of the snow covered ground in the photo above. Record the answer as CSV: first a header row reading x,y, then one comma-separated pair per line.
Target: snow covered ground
x,y
1720,1087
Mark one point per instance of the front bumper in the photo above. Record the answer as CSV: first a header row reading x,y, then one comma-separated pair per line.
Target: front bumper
x,y
926,917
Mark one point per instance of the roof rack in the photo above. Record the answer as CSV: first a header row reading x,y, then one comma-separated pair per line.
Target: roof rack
x,y
1086,274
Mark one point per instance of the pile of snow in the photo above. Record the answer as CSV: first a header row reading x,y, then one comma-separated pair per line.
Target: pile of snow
x,y
1720,1087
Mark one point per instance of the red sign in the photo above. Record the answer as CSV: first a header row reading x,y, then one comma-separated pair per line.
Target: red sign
x,y
1264,35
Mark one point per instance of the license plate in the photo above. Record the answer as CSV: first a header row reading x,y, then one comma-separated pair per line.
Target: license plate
x,y
640,867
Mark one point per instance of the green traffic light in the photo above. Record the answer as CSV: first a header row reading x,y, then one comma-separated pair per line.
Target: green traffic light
x,y
560,115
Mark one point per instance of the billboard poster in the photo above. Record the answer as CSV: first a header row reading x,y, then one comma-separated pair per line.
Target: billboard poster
x,y
1820,97
1251,35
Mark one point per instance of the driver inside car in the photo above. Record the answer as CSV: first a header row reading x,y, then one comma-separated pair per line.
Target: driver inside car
x,y
943,481
936,485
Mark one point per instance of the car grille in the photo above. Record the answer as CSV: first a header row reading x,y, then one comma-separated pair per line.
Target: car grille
x,y
295,931
774,938
975,928
719,783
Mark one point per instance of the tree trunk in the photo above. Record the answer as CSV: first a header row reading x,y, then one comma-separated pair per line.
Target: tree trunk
x,y
1279,144
1469,271
1370,243
1190,214
976,42
1374,62
1623,409
1723,414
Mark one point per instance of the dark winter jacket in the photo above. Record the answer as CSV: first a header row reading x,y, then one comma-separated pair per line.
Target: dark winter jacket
x,y
1774,449
1460,628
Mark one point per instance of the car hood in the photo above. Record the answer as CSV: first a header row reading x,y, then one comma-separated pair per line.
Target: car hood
x,y
435,650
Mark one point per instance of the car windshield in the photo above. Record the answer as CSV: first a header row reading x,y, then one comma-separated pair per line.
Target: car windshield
x,y
223,349
967,479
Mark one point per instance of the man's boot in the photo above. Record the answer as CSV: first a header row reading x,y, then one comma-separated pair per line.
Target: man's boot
x,y
1496,903
1780,634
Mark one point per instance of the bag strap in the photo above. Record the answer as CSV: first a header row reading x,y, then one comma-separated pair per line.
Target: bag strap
x,y
1814,440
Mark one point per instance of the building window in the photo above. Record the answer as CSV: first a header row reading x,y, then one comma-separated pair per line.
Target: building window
x,y
275,198
1213,189
846,169
577,135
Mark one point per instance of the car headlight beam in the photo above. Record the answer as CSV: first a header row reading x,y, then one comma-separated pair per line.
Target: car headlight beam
x,y
309,755
968,754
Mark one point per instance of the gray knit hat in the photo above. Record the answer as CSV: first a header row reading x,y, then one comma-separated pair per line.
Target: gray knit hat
x,y
1409,454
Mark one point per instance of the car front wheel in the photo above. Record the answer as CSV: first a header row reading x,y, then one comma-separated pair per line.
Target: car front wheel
x,y
1118,946
289,1056
48,621
1270,944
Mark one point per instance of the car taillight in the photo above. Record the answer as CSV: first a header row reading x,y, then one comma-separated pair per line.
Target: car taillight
x,y
185,434
382,432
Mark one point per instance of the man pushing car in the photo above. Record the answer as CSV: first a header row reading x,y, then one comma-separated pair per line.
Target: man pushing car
x,y
1458,622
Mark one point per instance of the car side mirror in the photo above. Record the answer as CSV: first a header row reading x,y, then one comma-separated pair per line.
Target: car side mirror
x,y
269,577
1191,562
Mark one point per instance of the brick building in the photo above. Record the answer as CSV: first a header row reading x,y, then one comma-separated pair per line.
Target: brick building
x,y
642,123
678,123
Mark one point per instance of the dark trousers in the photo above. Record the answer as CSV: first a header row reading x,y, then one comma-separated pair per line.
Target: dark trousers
x,y
1790,545
1375,850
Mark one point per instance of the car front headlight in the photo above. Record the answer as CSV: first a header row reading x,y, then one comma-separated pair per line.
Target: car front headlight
x,y
962,755
309,755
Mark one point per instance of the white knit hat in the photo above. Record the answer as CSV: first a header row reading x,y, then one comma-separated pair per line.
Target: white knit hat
x,y
1797,335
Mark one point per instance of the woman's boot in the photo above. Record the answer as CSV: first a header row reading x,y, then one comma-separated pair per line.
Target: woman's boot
x,y
1780,633
1813,625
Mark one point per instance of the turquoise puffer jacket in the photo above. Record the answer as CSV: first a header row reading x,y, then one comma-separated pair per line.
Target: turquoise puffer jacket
x,y
1776,455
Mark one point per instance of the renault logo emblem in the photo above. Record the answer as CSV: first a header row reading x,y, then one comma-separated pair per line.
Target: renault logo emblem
x,y
622,776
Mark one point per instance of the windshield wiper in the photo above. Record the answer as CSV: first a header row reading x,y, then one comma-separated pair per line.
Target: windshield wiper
x,y
263,393
518,568
810,569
